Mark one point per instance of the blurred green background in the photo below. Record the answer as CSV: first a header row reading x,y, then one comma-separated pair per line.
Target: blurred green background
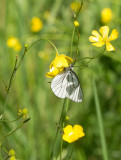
x,y
32,90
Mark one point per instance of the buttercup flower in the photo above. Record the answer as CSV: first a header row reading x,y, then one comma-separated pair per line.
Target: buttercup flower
x,y
99,40
36,24
74,6
23,113
58,64
71,134
106,15
17,46
12,154
76,23
12,158
14,43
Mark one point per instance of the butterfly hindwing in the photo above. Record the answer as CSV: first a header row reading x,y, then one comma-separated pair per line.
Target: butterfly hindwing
x,y
75,93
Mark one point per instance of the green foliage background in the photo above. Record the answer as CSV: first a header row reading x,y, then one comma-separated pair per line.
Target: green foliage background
x,y
32,90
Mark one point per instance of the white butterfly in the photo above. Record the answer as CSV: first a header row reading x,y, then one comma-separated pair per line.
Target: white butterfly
x,y
66,84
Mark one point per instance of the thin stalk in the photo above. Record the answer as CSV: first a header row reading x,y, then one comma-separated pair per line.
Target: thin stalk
x,y
3,82
45,40
58,127
91,58
71,152
100,121
67,107
9,85
12,78
77,12
19,126
12,120
61,146
77,50
4,149
63,125
72,40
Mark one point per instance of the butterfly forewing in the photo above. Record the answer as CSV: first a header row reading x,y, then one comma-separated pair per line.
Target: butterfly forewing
x,y
58,85
66,84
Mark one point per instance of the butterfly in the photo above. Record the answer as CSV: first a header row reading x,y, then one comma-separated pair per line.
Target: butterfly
x,y
66,84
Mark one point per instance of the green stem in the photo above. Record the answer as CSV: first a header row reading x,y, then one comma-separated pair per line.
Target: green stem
x,y
77,50
63,124
100,121
12,120
19,126
9,85
3,82
45,40
67,107
61,146
12,78
72,40
95,57
71,152
58,127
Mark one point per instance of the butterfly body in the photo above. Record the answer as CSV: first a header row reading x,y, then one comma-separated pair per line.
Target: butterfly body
x,y
66,84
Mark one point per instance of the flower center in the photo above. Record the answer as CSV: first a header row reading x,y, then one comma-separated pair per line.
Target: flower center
x,y
71,133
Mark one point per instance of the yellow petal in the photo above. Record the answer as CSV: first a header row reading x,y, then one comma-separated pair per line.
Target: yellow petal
x,y
53,72
96,34
62,61
93,39
68,138
104,32
114,35
78,131
68,129
109,47
98,44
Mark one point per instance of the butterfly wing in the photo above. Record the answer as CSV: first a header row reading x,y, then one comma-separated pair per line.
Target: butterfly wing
x,y
73,89
66,84
59,84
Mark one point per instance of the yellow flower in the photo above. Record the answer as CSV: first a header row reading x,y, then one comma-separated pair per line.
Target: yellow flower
x,y
106,15
12,158
99,40
17,47
11,152
76,23
53,72
71,134
11,42
14,43
36,24
58,64
74,6
23,112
